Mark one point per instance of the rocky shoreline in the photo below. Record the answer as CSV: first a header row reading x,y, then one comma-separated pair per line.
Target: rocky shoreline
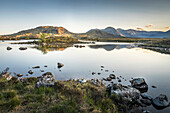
x,y
131,98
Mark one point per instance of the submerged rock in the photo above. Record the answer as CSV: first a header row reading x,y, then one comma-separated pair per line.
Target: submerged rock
x,y
146,96
60,65
22,48
146,101
47,79
9,48
126,92
160,102
140,84
30,72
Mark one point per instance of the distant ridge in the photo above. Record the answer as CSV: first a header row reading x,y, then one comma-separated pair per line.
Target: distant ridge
x,y
108,32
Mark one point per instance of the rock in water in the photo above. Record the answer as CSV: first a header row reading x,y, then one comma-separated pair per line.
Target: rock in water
x,y
126,92
36,67
112,76
9,48
140,84
47,79
146,102
60,65
30,72
93,73
160,102
154,87
7,75
19,75
22,48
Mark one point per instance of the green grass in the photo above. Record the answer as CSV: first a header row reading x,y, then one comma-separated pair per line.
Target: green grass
x,y
63,97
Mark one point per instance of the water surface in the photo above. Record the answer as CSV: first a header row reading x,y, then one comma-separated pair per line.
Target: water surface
x,y
123,58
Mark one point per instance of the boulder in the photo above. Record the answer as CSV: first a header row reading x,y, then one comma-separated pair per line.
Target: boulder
x,y
60,65
47,79
140,84
160,102
7,75
22,48
30,72
9,48
126,92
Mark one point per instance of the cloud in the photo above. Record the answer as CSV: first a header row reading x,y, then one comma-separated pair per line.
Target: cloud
x,y
167,28
140,29
150,25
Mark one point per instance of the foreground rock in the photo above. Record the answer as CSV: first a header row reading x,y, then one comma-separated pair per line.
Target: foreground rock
x,y
126,92
9,48
60,65
160,102
47,79
140,84
6,74
22,48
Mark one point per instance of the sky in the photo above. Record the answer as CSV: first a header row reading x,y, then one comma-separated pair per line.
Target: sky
x,y
79,16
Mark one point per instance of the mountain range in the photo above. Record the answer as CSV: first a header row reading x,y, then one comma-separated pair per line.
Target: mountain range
x,y
108,32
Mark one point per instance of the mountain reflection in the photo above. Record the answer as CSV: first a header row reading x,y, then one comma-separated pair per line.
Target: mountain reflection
x,y
108,47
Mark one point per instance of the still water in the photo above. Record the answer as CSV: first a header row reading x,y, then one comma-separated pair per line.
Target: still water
x,y
124,59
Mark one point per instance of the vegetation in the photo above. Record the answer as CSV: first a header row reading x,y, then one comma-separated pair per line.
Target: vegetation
x,y
64,97
124,39
161,45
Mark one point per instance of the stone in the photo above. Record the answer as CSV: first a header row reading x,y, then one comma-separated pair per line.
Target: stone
x,y
126,92
22,48
9,48
146,96
93,73
154,87
35,67
140,84
60,65
19,75
7,75
146,101
47,79
160,102
112,76
30,72
119,80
